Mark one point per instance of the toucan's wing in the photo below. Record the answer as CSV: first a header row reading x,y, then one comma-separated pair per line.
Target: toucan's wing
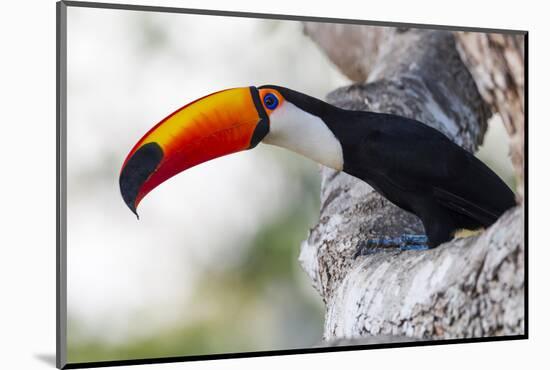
x,y
483,215
419,159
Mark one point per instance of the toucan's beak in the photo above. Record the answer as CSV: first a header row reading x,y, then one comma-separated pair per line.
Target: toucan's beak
x,y
218,124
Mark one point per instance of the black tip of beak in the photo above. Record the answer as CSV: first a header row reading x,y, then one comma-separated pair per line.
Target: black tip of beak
x,y
137,170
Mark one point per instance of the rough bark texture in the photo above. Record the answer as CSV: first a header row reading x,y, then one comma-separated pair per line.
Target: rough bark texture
x,y
497,63
354,57
466,288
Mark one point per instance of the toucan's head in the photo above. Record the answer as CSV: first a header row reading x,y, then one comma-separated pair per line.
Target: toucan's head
x,y
226,122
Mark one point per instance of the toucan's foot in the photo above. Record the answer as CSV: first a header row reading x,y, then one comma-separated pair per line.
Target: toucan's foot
x,y
409,239
414,247
405,242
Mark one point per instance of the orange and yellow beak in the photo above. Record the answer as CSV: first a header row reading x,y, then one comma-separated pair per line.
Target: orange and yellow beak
x,y
218,124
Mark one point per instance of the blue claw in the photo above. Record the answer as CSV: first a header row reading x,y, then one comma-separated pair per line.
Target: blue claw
x,y
413,247
405,242
414,239
383,242
414,243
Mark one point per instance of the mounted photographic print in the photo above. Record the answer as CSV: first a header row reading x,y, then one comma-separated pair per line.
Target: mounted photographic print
x,y
236,184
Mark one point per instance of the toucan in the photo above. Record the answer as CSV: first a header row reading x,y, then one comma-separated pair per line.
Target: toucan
x,y
414,166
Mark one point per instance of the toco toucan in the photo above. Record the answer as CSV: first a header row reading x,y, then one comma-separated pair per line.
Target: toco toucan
x,y
411,164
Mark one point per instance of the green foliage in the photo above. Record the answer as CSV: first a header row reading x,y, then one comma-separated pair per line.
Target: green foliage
x,y
259,302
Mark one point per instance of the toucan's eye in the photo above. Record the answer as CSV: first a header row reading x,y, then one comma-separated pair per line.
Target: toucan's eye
x,y
271,101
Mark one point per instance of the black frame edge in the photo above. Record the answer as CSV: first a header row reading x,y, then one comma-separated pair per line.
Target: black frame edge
x,y
61,198
526,179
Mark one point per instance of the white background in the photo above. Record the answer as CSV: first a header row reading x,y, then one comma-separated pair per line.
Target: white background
x,y
27,186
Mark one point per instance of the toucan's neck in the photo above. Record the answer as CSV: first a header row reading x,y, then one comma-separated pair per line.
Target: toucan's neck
x,y
298,125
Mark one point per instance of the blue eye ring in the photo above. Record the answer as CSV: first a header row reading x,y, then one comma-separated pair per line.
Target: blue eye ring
x,y
271,101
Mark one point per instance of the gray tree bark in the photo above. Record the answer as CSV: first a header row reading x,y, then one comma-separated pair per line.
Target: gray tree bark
x,y
497,64
470,287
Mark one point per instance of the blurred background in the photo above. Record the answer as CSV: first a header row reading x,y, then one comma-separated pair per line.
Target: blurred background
x,y
211,266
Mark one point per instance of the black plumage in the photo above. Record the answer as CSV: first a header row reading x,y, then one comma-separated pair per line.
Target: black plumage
x,y
415,167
